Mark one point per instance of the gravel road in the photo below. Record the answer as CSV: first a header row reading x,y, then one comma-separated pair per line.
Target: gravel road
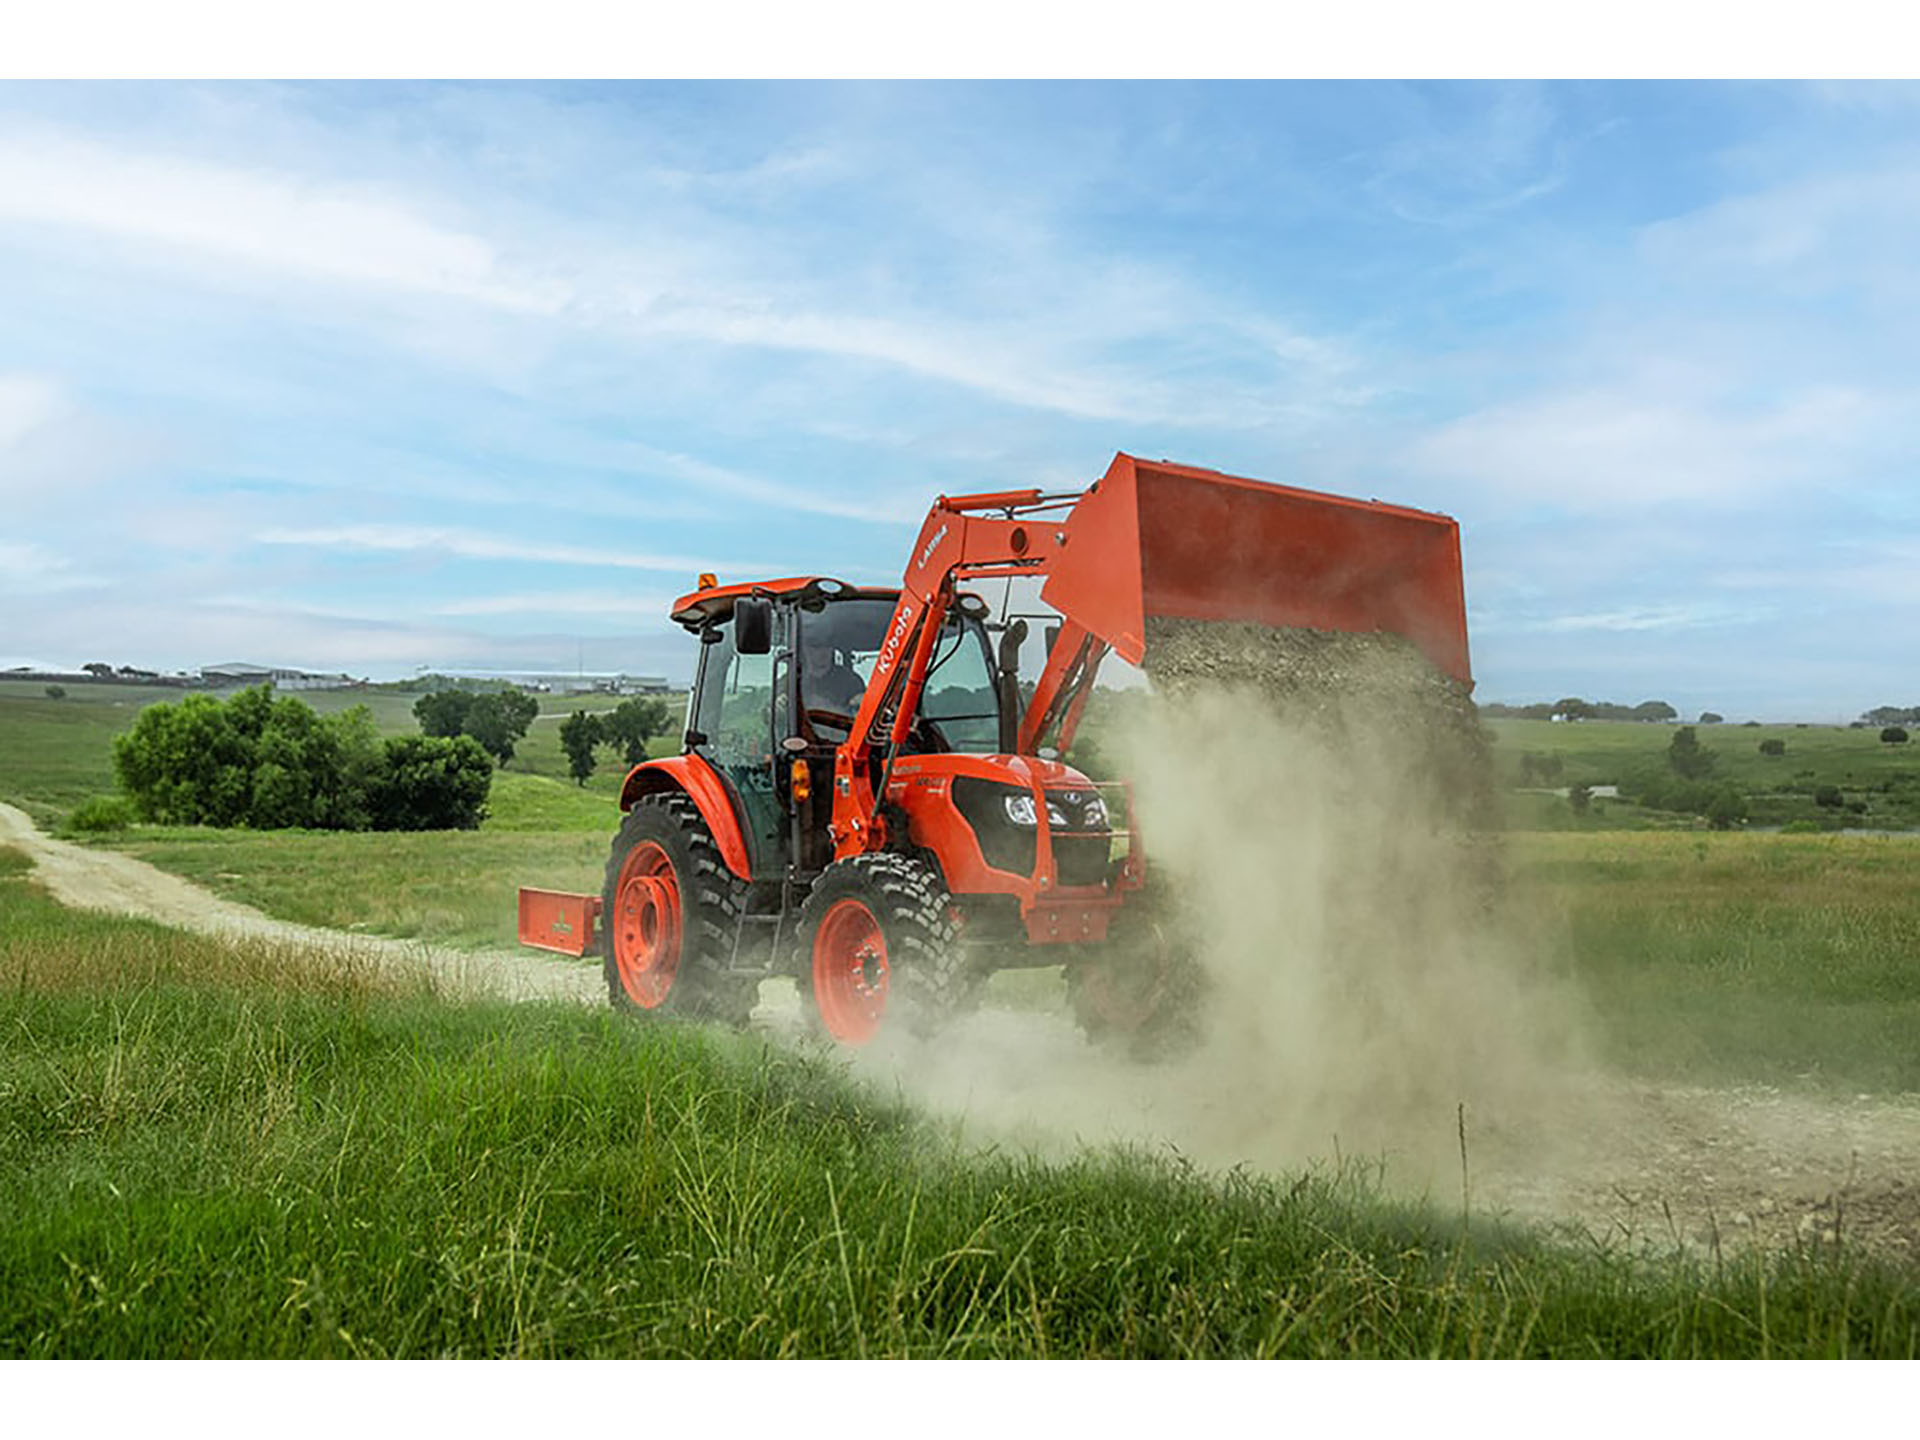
x,y
87,879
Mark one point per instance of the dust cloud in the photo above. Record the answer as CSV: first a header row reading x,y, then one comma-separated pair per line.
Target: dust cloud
x,y
1317,814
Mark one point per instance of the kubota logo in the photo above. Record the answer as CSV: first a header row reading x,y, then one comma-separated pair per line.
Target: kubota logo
x,y
890,651
932,545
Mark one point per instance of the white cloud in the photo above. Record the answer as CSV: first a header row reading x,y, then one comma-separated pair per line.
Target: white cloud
x,y
1645,442
327,230
31,569
27,403
1653,617
468,545
612,604
1039,330
1838,230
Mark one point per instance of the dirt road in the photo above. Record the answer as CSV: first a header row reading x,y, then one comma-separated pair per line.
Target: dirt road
x,y
86,879
1626,1161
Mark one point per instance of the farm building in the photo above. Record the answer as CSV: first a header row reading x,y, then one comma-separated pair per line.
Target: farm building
x,y
239,674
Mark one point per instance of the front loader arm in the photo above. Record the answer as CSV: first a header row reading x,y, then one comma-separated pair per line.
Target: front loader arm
x,y
954,541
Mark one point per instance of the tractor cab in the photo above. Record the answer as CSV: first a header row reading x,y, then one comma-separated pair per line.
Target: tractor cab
x,y
782,672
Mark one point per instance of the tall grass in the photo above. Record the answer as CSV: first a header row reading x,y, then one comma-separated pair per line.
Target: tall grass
x,y
209,1149
1743,957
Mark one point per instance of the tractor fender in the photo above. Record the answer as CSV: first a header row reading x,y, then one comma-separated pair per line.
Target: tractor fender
x,y
693,777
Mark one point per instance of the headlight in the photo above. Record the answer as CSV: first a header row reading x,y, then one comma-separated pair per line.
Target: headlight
x,y
1095,813
1021,812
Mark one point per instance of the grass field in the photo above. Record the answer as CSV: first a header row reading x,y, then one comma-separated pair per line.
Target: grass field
x,y
1884,779
54,754
1727,957
1705,956
218,1150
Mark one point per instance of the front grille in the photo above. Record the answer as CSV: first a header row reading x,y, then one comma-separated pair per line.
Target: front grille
x,y
1081,859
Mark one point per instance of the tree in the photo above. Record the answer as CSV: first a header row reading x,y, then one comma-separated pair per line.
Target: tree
x,y
1580,798
1688,758
1893,735
522,710
99,669
1829,796
1712,717
1774,747
1655,710
444,712
1727,808
633,723
579,733
1572,708
56,692
487,721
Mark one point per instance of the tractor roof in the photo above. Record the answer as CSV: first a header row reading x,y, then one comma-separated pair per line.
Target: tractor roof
x,y
715,602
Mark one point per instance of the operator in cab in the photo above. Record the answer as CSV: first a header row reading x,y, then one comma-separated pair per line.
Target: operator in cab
x,y
827,683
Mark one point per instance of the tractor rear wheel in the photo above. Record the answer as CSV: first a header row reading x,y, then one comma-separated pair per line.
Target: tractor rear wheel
x,y
879,935
669,913
1141,990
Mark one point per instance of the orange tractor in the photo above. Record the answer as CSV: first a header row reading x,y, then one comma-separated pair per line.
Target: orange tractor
x,y
870,798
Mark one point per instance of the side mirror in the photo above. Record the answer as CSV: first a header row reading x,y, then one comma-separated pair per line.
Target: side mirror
x,y
753,625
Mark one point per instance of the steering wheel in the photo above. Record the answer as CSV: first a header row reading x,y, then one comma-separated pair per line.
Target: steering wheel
x,y
831,717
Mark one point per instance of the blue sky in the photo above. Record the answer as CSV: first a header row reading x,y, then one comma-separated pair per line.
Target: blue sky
x,y
377,376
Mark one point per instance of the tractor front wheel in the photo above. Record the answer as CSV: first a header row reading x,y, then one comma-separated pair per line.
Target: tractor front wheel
x,y
669,913
1141,990
879,935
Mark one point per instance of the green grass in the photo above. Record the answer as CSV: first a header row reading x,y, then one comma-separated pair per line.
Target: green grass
x,y
220,1150
56,754
1728,957
1885,779
449,887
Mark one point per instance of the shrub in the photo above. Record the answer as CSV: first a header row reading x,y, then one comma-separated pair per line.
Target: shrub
x,y
1801,827
56,692
1775,747
101,814
1893,735
1828,795
432,782
1726,808
1579,797
275,764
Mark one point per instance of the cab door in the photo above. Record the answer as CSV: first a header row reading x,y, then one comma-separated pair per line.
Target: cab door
x,y
740,711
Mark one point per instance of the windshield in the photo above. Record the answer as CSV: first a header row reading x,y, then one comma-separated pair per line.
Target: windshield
x,y
839,644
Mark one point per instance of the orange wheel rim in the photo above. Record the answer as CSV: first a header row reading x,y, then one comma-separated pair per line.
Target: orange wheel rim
x,y
647,925
850,972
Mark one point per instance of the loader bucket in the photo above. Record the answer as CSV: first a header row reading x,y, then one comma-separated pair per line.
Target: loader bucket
x,y
1157,539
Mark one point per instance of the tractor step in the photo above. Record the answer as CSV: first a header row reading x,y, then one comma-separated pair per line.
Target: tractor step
x,y
559,920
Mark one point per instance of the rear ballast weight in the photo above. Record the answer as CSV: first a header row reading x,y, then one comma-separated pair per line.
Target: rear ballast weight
x,y
867,802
